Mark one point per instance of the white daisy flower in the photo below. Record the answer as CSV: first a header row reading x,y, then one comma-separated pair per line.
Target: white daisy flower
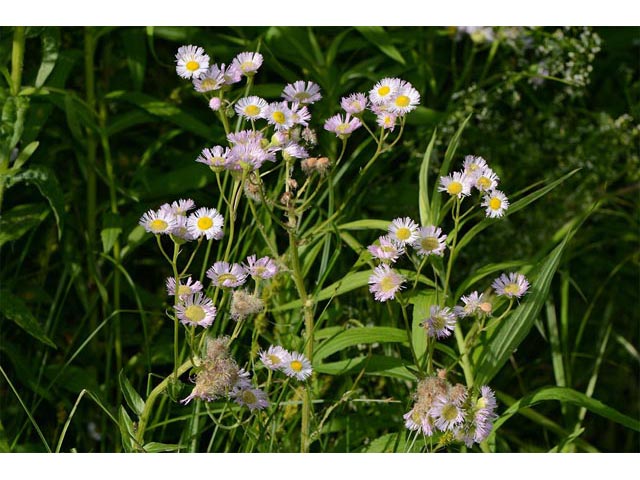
x,y
211,80
162,221
179,207
513,285
251,107
496,203
248,63
404,231
187,288
263,268
384,90
191,61
430,241
386,120
297,366
301,92
456,184
279,115
440,323
385,282
300,114
406,99
222,274
196,309
275,358
387,250
206,222
446,413
355,103
473,165
486,180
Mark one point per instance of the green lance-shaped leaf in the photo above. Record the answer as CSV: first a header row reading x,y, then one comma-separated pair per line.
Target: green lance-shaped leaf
x,y
132,398
14,309
127,431
426,218
357,336
379,365
381,39
50,50
513,329
20,219
421,306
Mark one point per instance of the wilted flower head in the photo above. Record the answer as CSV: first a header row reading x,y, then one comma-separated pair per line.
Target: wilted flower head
x,y
385,282
244,304
513,285
191,61
320,165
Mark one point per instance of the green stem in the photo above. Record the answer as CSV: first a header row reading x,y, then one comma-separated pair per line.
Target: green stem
x,y
17,58
176,322
456,221
409,330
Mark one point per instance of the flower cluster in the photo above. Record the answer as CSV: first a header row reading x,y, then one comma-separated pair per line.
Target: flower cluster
x,y
389,100
402,233
173,220
450,409
218,375
293,364
476,174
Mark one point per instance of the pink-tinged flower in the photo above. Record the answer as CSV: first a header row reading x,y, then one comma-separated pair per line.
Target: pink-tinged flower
x,y
222,274
297,366
386,120
388,250
496,203
230,74
300,114
440,323
251,108
215,103
430,241
211,80
405,100
180,207
279,115
385,282
342,126
263,268
275,358
404,231
513,285
248,156
181,230
247,63
189,287
414,421
473,165
242,379
355,103
301,92
245,137
456,184
472,305
158,222
216,157
191,61
385,90
446,413
196,309
206,222
254,398
486,404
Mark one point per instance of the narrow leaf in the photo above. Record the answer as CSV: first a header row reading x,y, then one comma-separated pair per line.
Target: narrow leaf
x,y
357,336
426,218
381,39
14,309
132,398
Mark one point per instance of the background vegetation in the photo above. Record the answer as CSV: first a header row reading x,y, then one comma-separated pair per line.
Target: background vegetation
x,y
99,129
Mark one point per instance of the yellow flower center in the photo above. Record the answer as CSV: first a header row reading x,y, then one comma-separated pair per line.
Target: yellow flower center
x,y
227,276
205,223
387,284
259,270
278,117
158,225
192,65
208,84
252,110
248,65
438,323
302,96
184,290
342,127
275,360
454,188
403,233
512,288
450,412
388,248
296,366
384,90
484,182
356,105
495,203
402,101
195,313
429,243
248,397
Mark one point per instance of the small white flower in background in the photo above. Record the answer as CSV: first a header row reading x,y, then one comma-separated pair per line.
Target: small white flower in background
x,y
206,222
355,103
404,230
342,126
222,274
430,241
456,184
275,358
247,63
263,268
297,366
385,90
405,100
387,250
440,323
472,305
254,398
189,287
179,207
386,120
473,165
216,157
191,61
496,203
385,282
251,108
486,180
196,309
512,285
301,92
158,222
279,115
211,80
